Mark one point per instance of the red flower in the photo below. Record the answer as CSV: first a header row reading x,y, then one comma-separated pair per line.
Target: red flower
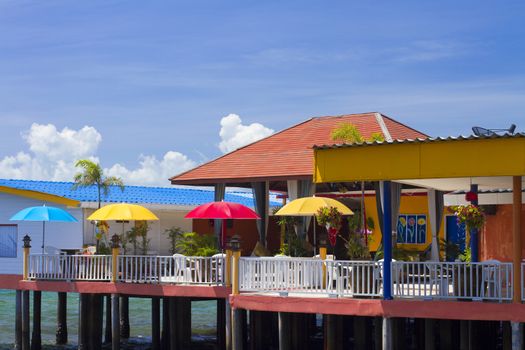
x,y
471,196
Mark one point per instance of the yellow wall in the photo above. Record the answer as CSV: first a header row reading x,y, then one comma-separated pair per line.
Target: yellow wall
x,y
408,205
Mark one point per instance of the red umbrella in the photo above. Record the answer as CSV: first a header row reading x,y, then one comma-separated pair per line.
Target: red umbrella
x,y
222,210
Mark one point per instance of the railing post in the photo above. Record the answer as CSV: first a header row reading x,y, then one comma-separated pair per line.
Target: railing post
x,y
235,246
228,268
27,248
115,246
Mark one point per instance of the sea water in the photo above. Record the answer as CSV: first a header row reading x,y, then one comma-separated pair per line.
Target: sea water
x,y
203,321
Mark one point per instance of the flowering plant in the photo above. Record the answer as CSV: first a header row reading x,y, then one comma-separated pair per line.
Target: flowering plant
x,y
331,218
470,215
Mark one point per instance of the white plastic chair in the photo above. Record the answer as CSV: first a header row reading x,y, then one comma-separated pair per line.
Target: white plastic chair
x,y
491,279
439,278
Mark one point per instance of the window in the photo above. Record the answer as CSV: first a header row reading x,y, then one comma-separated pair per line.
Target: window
x,y
8,238
411,228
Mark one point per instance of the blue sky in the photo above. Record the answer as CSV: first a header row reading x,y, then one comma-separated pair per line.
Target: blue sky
x,y
153,77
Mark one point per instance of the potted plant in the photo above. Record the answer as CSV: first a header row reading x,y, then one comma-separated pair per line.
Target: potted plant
x,y
471,215
331,218
467,282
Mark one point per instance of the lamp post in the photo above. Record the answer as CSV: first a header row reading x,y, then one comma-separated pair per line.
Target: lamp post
x,y
27,248
235,247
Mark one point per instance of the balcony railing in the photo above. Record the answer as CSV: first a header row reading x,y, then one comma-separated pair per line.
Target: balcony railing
x,y
312,276
488,280
70,267
171,269
131,269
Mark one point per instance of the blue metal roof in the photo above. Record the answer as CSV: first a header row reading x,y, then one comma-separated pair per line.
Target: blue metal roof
x,y
175,195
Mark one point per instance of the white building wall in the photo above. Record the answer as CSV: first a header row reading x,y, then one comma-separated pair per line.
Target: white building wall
x,y
159,242
58,234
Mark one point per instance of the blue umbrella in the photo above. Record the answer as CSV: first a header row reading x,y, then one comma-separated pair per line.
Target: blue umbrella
x,y
43,213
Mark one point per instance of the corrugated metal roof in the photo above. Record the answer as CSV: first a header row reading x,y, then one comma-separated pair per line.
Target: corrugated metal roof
x,y
175,195
419,140
287,154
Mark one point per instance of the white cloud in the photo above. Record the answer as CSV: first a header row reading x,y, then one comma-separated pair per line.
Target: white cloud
x,y
153,171
52,155
234,134
47,142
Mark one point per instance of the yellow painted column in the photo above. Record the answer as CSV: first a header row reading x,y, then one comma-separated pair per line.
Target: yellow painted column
x,y
228,268
322,254
235,282
516,237
115,248
27,249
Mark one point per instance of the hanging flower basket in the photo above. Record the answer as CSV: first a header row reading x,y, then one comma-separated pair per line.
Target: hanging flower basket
x,y
331,218
470,215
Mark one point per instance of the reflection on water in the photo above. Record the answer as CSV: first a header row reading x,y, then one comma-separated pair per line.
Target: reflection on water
x,y
203,321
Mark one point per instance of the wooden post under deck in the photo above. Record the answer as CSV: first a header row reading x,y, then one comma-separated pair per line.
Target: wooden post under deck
x,y
124,317
165,334
115,322
61,332
25,320
516,236
155,323
18,320
36,337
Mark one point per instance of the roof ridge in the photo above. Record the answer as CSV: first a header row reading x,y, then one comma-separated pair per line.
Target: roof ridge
x,y
245,146
403,124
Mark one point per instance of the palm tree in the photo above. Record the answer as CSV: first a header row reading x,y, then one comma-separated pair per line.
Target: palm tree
x,y
92,174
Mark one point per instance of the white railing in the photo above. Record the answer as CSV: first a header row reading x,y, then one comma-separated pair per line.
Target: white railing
x,y
489,280
171,269
306,275
70,267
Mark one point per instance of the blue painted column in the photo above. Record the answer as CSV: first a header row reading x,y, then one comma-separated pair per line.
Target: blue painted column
x,y
474,234
387,241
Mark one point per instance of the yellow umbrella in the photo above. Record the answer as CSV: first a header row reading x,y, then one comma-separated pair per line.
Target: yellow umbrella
x,y
308,206
123,211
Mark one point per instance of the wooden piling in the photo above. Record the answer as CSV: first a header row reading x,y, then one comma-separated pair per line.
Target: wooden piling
x,y
124,317
360,334
387,334
155,323
61,332
108,324
228,325
83,321
25,321
183,320
96,323
237,336
173,324
329,332
115,322
284,331
165,335
517,335
430,338
221,323
18,320
36,336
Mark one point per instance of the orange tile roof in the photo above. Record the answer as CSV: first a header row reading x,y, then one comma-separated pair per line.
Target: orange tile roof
x,y
287,154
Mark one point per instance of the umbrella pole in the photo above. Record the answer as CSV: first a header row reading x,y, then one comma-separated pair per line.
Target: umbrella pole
x,y
43,235
315,238
223,233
